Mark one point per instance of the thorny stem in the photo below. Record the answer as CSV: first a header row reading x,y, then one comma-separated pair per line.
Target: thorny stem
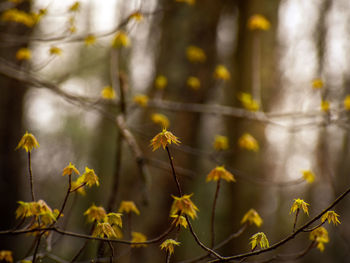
x,y
173,171
296,218
31,177
212,223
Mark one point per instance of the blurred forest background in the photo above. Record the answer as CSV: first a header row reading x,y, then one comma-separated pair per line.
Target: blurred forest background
x,y
57,97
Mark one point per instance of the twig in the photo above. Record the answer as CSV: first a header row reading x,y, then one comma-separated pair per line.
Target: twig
x,y
212,222
31,177
173,171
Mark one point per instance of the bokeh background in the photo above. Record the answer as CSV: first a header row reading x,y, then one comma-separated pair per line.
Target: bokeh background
x,y
307,40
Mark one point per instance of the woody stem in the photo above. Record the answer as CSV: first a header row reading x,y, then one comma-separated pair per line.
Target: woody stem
x,y
213,214
31,177
173,171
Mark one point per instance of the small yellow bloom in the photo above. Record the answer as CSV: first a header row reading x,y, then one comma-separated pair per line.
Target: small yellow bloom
x,y
252,217
137,16
76,185
141,100
193,83
220,143
325,105
195,54
161,82
26,209
114,219
18,16
168,245
6,255
179,221
259,239
248,102
258,22
47,218
163,139
331,216
68,170
317,83
299,204
23,54
108,93
28,142
89,177
95,213
221,72
308,176
160,119
104,230
75,7
138,237
120,40
127,207
248,142
55,51
347,102
189,2
184,205
219,172
320,235
90,40
25,261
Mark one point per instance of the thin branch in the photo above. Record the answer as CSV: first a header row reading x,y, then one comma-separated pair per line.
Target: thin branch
x,y
173,171
31,177
212,221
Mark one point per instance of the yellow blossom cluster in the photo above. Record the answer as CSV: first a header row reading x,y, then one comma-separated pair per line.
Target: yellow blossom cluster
x,y
248,102
108,93
248,142
299,204
128,207
195,54
221,72
120,40
6,255
108,225
168,245
137,16
320,235
193,82
160,119
163,139
90,40
179,220
220,143
308,176
258,22
317,83
141,100
55,51
18,16
138,237
39,210
331,216
184,206
219,173
23,54
252,217
161,82
259,239
28,142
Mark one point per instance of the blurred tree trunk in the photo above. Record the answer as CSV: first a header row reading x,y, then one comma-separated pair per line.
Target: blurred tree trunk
x,y
12,163
242,81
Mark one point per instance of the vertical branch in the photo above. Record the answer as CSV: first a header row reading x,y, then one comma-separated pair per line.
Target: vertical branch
x,y
117,167
295,220
212,223
66,197
173,171
31,177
